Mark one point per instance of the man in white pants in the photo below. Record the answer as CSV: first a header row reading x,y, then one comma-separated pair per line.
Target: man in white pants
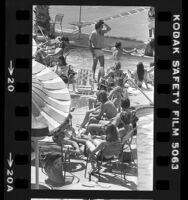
x,y
96,44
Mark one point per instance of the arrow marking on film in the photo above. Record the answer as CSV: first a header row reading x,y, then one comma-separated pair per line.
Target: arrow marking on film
x,y
10,160
11,69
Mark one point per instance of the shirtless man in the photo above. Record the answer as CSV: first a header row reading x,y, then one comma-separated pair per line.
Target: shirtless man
x,y
107,111
96,44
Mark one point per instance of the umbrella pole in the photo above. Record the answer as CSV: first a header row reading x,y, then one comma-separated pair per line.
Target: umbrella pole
x,y
79,27
37,164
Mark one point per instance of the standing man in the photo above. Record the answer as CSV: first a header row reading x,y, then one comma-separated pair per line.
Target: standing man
x,y
151,20
96,44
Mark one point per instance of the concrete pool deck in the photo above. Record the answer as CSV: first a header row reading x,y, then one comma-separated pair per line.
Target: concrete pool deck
x,y
136,175
109,180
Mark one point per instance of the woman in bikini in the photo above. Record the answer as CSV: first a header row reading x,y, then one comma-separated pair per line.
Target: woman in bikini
x,y
99,148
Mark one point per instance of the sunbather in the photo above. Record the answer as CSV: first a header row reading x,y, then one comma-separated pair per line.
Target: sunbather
x,y
97,147
107,108
115,71
106,112
118,93
98,128
63,136
125,120
140,75
63,70
103,108
42,57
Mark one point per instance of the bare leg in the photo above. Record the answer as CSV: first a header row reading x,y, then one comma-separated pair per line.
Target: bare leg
x,y
92,101
74,84
95,61
79,140
86,118
101,61
71,142
92,120
101,70
97,142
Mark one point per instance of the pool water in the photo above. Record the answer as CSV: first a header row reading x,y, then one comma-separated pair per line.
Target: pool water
x,y
81,58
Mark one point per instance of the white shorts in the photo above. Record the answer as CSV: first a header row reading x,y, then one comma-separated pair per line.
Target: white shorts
x,y
98,52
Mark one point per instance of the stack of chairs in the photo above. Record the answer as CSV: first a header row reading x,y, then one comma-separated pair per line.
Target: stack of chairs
x,y
85,82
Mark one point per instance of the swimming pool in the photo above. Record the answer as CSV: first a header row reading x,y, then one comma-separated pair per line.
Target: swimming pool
x,y
81,58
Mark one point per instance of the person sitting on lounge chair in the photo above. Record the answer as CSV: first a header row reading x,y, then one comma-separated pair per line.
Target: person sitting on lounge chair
x,y
99,149
126,119
42,57
106,112
63,135
103,107
63,70
115,70
118,93
98,128
107,108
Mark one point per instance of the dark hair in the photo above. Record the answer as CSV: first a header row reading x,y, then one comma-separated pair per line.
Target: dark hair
x,y
54,174
64,39
117,65
125,103
140,71
102,84
102,95
102,87
120,82
111,133
62,58
152,64
118,44
99,24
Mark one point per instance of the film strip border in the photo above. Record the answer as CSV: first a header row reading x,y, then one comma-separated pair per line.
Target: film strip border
x,y
18,107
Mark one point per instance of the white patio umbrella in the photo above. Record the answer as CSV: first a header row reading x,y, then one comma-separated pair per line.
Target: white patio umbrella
x,y
34,47
50,105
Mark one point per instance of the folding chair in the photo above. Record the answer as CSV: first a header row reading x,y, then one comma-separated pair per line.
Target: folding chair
x,y
85,82
127,142
58,20
115,153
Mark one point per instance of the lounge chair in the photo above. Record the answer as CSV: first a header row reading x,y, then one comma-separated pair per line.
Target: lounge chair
x,y
85,82
117,152
58,21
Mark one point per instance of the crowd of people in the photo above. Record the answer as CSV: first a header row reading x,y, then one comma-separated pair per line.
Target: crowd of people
x,y
110,119
102,126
